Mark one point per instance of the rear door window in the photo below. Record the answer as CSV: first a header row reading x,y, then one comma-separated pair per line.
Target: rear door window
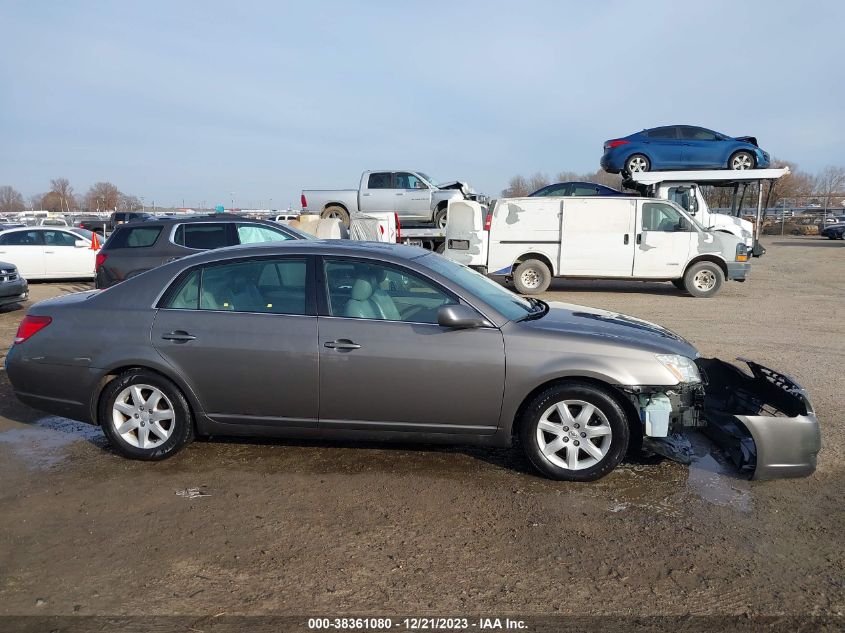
x,y
663,133
22,238
272,286
380,180
202,235
134,237
59,238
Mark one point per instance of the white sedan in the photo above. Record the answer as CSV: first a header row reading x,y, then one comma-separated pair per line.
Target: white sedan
x,y
42,252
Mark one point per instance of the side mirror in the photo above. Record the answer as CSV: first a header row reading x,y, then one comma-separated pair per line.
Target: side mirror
x,y
459,317
81,244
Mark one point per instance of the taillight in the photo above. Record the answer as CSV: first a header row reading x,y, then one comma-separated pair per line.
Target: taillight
x,y
30,325
398,228
100,260
616,143
488,220
303,201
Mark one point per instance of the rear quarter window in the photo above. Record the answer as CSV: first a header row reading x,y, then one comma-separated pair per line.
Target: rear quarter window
x,y
134,237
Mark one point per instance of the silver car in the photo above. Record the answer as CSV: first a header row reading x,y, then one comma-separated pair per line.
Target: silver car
x,y
325,339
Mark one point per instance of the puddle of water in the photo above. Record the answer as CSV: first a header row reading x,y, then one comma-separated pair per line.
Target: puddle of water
x,y
664,487
42,444
714,479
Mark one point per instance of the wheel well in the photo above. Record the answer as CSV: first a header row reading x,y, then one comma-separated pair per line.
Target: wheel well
x,y
114,373
537,256
442,205
709,258
628,407
336,204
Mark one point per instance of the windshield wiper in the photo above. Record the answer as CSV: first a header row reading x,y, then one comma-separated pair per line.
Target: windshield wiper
x,y
541,308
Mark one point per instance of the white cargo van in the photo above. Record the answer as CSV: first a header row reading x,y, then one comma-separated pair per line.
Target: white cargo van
x,y
532,240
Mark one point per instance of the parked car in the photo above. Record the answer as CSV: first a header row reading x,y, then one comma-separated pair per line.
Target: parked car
x,y
52,222
412,195
834,232
575,189
42,252
13,287
103,225
286,217
138,247
10,225
329,339
681,147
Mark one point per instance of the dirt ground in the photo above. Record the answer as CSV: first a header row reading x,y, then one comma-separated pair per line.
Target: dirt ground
x,y
289,527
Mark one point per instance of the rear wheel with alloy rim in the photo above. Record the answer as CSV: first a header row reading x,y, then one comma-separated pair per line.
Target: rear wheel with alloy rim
x,y
637,164
440,218
574,432
144,416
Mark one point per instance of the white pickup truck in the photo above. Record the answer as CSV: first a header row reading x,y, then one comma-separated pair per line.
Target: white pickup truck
x,y
412,195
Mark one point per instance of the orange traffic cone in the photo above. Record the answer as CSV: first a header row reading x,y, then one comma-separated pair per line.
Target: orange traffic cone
x,y
95,243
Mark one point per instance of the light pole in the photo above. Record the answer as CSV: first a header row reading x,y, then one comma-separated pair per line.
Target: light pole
x,y
270,206
143,206
232,193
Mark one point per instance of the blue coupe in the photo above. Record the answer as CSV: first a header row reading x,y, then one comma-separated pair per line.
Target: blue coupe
x,y
681,147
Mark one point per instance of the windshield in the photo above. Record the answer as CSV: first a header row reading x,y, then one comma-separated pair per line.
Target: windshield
x,y
88,235
510,305
428,178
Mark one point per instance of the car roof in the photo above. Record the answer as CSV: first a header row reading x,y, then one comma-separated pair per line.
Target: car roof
x,y
347,248
194,219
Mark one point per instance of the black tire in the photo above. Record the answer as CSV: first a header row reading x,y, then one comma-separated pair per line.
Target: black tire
x,y
440,249
180,433
679,284
600,398
742,157
532,277
440,216
636,163
703,279
336,211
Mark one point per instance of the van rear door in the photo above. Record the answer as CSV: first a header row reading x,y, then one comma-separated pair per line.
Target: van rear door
x,y
597,237
466,236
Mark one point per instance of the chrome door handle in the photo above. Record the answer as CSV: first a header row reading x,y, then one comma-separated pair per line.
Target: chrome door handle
x,y
341,343
365,194
49,252
400,193
178,336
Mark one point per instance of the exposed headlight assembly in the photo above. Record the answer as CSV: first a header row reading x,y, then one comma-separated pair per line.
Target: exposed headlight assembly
x,y
681,367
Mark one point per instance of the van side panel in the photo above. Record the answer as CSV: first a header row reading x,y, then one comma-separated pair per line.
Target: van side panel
x,y
523,226
598,237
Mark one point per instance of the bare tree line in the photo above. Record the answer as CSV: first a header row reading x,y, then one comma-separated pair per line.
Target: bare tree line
x,y
826,188
61,198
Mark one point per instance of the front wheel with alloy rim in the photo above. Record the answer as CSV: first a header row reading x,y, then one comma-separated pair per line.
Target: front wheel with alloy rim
x,y
742,160
144,416
531,277
703,279
574,432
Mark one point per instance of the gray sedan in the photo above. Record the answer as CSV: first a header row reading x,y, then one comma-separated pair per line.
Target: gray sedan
x,y
324,339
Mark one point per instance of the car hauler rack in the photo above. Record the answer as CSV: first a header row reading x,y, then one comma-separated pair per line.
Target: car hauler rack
x,y
682,187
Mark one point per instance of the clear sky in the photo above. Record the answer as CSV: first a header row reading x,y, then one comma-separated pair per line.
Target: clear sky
x,y
192,100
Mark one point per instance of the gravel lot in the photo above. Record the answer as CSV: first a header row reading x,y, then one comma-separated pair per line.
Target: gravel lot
x,y
286,527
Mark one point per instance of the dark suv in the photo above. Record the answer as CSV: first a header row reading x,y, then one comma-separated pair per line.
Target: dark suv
x,y
136,247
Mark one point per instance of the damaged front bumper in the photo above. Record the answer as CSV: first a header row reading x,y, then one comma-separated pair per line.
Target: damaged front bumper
x,y
763,421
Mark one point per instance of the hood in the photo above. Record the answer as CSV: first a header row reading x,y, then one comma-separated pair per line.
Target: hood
x,y
747,139
612,327
456,184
